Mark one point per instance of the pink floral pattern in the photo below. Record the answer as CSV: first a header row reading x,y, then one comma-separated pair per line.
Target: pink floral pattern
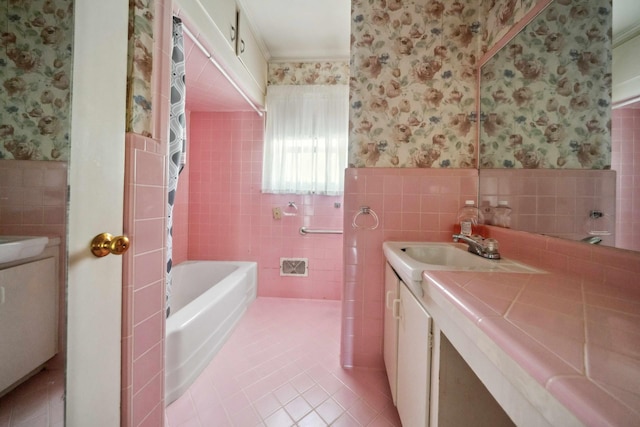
x,y
413,83
545,96
140,58
498,16
308,73
35,76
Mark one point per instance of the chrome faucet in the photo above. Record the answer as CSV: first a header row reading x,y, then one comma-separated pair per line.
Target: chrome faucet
x,y
485,248
593,240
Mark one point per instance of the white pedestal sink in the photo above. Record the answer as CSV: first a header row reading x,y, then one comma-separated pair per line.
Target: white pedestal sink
x,y
15,248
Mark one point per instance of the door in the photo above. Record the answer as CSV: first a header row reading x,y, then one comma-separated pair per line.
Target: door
x,y
96,178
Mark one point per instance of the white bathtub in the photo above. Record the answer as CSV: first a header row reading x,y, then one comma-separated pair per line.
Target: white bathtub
x,y
208,299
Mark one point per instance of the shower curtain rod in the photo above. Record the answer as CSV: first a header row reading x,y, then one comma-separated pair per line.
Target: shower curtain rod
x,y
219,67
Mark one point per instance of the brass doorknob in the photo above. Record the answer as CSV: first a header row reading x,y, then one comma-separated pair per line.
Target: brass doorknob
x,y
105,244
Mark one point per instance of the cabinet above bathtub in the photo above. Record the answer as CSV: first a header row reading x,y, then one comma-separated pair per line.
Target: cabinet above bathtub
x,y
222,28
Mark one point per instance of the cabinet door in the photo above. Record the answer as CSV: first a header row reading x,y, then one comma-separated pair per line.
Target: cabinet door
x,y
28,318
224,14
249,52
414,361
390,349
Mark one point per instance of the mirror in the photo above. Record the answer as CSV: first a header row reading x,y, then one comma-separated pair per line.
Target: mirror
x,y
35,74
545,124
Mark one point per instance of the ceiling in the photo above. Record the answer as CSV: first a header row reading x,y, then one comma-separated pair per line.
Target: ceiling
x,y
626,20
288,30
302,29
299,30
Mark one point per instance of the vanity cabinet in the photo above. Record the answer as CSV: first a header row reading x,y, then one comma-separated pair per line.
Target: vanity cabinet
x,y
28,318
390,348
412,370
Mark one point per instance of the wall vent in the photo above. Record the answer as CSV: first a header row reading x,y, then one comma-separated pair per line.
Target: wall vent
x,y
298,267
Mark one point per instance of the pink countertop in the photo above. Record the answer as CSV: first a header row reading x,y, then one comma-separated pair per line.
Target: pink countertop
x,y
579,339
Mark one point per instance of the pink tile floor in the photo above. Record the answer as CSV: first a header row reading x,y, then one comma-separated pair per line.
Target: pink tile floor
x,y
280,368
38,402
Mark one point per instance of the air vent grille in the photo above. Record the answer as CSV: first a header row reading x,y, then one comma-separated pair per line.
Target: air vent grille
x,y
298,267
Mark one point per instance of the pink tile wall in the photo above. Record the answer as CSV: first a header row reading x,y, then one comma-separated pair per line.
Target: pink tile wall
x,y
554,202
143,293
143,283
33,198
596,263
230,219
412,204
33,202
625,159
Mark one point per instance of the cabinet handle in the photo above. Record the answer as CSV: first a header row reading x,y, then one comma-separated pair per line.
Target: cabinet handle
x,y
233,33
242,46
1,295
396,309
386,300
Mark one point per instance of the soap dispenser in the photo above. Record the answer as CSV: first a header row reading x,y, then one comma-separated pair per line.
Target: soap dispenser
x,y
469,217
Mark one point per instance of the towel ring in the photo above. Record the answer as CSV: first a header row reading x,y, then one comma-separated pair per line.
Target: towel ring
x,y
290,210
365,210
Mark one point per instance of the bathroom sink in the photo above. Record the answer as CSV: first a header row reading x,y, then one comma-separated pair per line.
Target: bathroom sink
x,y
15,248
410,259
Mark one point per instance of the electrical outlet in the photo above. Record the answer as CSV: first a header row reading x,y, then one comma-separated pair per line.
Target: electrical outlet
x,y
277,213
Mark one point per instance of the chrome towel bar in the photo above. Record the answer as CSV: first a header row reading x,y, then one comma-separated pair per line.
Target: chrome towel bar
x,y
305,230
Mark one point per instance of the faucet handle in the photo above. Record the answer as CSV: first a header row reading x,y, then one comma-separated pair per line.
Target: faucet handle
x,y
491,246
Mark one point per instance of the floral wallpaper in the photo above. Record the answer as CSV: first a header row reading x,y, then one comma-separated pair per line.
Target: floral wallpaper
x,y
413,67
35,75
546,96
498,16
139,101
308,73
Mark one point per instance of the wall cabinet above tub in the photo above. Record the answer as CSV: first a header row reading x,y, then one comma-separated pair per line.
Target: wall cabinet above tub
x,y
224,14
222,28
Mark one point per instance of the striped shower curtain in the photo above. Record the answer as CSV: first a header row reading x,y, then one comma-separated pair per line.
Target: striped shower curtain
x,y
177,139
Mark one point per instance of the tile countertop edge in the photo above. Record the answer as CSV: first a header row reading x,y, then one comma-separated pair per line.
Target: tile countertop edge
x,y
521,396
549,386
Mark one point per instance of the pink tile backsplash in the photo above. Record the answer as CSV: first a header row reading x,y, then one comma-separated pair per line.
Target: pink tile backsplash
x,y
599,264
554,202
625,158
412,205
225,216
33,198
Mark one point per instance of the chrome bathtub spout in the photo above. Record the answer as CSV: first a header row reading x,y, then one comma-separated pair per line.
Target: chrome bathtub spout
x,y
487,250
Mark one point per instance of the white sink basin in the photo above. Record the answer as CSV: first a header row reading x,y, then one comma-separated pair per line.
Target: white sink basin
x,y
15,248
410,259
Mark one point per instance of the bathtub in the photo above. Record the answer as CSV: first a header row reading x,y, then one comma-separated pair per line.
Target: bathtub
x,y
208,299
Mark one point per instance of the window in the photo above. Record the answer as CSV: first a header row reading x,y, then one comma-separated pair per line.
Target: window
x,y
305,149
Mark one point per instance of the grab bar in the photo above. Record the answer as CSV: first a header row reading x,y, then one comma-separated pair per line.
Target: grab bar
x,y
305,230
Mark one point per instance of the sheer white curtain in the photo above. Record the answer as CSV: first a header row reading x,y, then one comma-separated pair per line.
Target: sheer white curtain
x,y
306,136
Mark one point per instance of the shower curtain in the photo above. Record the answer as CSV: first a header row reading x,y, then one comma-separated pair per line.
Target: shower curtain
x,y
177,140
